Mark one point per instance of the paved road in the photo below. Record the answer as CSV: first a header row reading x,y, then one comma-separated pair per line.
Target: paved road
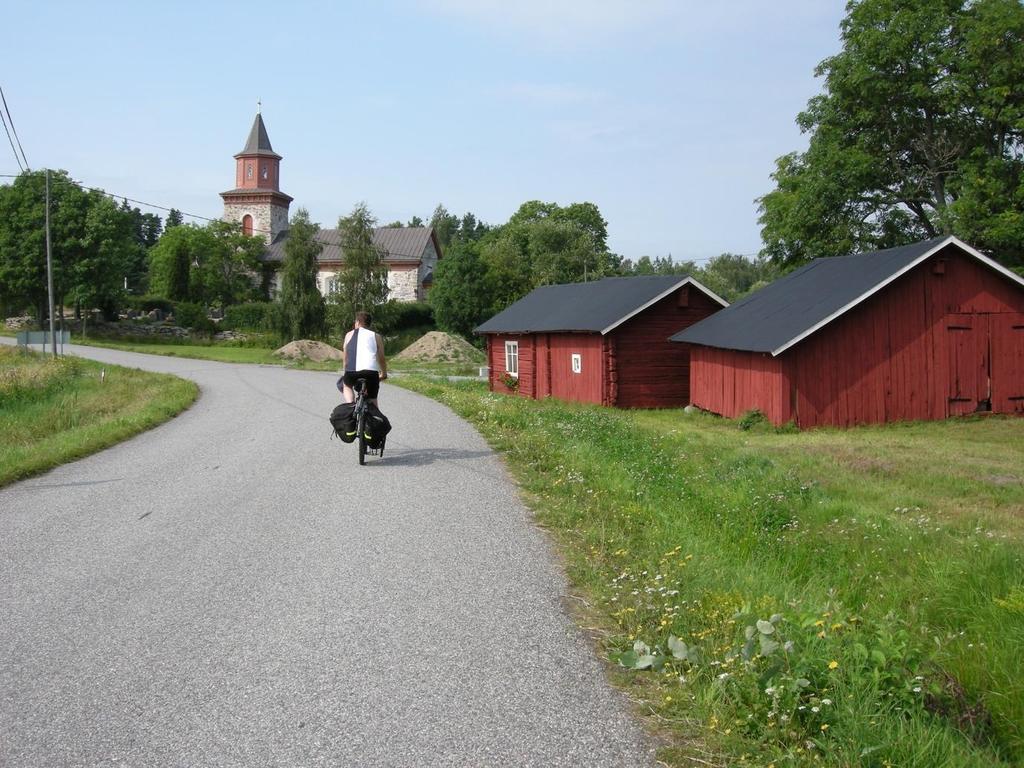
x,y
208,594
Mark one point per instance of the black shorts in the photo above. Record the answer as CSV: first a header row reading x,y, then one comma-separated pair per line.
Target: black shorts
x,y
372,381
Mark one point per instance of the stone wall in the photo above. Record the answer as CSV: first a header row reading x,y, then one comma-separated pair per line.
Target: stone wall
x,y
403,284
267,219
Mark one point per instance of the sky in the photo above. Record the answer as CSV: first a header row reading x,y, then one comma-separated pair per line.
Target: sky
x,y
668,115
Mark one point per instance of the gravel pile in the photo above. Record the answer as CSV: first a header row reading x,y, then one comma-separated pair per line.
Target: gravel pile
x,y
440,347
306,349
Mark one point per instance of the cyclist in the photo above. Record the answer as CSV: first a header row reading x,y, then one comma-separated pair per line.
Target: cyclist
x,y
363,358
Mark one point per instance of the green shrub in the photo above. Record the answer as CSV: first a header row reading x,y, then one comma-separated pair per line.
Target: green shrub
x,y
193,317
398,316
751,419
149,303
254,316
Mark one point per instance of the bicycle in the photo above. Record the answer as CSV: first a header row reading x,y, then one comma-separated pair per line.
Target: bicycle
x,y
362,415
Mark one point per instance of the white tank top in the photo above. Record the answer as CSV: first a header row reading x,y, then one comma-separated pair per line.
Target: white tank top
x,y
361,351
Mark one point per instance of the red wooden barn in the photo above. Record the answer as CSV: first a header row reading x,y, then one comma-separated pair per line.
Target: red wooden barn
x,y
923,331
604,341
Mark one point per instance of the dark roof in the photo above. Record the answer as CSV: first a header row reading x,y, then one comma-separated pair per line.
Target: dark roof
x,y
258,142
597,306
395,243
256,191
798,304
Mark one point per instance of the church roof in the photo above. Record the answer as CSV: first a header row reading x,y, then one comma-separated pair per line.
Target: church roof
x,y
258,142
397,244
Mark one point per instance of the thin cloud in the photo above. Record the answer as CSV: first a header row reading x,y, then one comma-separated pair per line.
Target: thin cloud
x,y
549,94
561,21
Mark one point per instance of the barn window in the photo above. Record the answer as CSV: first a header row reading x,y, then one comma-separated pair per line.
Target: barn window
x,y
512,357
577,363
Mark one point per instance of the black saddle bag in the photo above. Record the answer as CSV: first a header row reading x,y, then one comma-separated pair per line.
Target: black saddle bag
x,y
377,425
343,419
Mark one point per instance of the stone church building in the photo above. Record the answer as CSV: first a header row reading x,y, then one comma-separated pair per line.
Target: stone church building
x,y
259,205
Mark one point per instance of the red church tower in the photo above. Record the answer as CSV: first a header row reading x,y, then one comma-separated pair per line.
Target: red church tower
x,y
257,202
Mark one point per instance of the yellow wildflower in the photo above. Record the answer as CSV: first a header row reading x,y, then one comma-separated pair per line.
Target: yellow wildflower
x,y
833,664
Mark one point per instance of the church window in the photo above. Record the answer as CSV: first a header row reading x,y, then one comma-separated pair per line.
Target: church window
x,y
264,171
248,170
247,225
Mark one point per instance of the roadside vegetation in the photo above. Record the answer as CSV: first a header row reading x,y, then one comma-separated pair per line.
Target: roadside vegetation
x,y
55,411
231,352
774,597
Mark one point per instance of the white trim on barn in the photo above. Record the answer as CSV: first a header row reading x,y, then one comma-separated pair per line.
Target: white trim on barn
x,y
659,297
951,240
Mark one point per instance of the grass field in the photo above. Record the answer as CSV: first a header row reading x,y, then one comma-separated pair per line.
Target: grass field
x,y
232,353
846,598
54,411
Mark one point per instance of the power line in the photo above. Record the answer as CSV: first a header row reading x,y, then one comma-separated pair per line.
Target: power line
x,y
13,129
115,196
8,132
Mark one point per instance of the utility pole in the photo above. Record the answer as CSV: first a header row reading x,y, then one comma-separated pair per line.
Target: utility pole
x,y
49,267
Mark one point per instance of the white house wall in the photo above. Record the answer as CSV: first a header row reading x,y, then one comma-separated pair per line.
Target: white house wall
x,y
404,284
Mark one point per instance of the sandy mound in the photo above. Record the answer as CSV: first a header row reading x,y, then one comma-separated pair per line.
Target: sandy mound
x,y
440,347
304,349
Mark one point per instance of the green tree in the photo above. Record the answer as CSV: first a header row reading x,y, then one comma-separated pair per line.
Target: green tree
x,y
92,242
146,230
445,225
544,243
171,259
732,276
301,313
415,221
506,262
919,132
109,250
226,266
560,252
461,296
211,265
362,282
541,243
174,219
23,245
659,265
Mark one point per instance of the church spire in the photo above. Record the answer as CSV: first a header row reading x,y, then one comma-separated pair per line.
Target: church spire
x,y
257,202
258,143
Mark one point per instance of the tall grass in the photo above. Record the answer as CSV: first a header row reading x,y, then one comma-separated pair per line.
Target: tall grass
x,y
821,598
54,411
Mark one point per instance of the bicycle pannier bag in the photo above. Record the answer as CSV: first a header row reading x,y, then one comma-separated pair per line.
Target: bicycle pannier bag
x,y
343,419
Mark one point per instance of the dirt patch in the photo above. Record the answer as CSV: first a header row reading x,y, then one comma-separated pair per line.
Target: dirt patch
x,y
440,347
305,349
858,462
1004,480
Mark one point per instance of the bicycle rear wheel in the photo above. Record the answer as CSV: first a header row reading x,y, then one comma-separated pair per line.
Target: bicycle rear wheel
x,y
361,427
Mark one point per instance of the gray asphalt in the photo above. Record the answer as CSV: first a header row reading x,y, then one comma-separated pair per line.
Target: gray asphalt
x,y
231,589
